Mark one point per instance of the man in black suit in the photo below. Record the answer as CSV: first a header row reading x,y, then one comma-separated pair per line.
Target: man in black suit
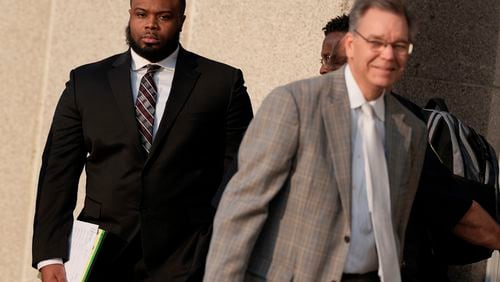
x,y
154,142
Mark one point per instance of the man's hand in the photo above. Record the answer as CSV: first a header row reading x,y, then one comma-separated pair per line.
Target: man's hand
x,y
53,273
479,228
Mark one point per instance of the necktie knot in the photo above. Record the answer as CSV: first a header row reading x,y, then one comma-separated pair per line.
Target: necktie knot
x,y
367,110
152,68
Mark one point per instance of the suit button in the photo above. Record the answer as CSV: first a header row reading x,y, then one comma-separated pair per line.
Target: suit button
x,y
347,239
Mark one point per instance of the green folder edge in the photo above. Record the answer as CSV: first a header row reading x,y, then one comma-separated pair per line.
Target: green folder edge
x,y
100,237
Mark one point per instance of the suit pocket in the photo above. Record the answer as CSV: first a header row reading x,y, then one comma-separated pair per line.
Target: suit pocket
x,y
187,262
91,209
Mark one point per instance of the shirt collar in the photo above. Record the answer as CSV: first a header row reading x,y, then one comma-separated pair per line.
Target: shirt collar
x,y
168,63
356,97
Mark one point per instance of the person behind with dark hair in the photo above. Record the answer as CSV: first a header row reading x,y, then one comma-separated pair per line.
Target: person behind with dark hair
x,y
154,127
335,31
327,170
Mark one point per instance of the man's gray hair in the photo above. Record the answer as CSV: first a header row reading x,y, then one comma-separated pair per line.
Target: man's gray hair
x,y
395,6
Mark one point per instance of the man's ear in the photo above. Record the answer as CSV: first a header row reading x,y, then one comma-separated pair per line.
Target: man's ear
x,y
348,42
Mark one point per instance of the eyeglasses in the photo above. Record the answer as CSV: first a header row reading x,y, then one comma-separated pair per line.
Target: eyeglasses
x,y
401,48
324,60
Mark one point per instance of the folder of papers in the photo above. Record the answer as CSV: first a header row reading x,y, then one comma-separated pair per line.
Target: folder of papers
x,y
86,240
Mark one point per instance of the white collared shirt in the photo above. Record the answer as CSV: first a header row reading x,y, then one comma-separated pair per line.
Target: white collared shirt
x,y
362,255
163,79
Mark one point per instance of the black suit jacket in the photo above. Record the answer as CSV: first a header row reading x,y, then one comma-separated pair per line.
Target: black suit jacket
x,y
441,201
164,195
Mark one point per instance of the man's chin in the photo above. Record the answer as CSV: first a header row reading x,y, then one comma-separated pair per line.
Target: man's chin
x,y
384,81
152,53
150,46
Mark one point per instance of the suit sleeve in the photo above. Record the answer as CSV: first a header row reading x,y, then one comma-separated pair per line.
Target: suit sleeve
x,y
264,163
62,163
238,116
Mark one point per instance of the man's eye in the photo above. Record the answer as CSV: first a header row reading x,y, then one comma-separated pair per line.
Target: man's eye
x,y
140,15
376,44
165,17
401,47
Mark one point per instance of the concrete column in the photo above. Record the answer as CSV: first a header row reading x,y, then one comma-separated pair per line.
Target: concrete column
x,y
42,41
22,51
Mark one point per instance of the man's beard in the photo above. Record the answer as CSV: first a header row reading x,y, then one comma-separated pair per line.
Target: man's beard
x,y
150,54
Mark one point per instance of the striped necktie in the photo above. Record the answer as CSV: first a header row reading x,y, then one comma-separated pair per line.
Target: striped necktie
x,y
145,107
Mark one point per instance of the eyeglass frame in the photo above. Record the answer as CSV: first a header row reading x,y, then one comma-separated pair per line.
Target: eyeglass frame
x,y
324,60
383,44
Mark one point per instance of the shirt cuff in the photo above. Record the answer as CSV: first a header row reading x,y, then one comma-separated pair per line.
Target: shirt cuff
x,y
48,262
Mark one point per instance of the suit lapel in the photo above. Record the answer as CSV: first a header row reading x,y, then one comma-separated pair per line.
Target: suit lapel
x,y
119,79
337,121
398,139
185,78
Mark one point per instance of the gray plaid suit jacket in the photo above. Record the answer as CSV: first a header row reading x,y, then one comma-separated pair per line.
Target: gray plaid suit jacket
x,y
286,213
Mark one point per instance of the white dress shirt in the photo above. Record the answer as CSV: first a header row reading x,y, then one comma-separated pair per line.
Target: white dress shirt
x,y
163,78
362,255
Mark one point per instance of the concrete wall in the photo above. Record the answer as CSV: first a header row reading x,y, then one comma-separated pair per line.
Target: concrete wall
x,y
273,42
456,57
42,40
23,50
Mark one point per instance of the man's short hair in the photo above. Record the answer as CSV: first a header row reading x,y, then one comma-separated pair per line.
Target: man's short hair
x,y
182,5
338,24
395,6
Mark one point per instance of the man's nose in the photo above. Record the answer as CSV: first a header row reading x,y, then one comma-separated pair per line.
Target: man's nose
x,y
324,69
388,52
152,22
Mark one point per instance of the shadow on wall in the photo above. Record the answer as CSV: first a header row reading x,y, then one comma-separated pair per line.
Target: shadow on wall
x,y
455,58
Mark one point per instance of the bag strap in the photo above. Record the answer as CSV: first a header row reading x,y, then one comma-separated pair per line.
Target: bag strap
x,y
435,118
436,104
